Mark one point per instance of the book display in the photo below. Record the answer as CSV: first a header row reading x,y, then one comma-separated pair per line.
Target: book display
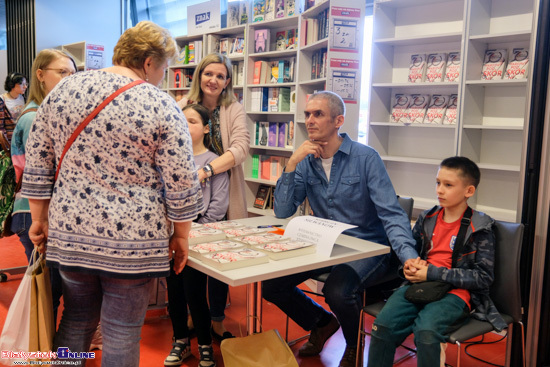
x,y
204,234
234,259
206,248
285,249
478,105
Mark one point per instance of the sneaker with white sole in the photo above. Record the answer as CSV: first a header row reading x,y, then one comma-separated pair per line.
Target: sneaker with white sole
x,y
206,356
180,351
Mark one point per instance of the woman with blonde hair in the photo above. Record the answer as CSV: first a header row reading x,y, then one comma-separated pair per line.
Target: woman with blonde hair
x,y
212,88
124,195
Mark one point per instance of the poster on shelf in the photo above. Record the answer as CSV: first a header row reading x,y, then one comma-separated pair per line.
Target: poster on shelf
x,y
345,79
203,18
344,25
95,57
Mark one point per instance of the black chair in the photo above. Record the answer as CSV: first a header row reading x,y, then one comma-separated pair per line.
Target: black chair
x,y
389,281
505,293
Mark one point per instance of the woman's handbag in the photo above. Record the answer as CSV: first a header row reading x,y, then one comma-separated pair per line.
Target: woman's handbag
x,y
265,349
431,291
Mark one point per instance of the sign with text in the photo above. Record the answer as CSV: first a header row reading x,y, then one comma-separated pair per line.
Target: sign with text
x,y
322,232
203,18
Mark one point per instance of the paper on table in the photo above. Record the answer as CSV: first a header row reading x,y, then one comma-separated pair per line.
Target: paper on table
x,y
322,232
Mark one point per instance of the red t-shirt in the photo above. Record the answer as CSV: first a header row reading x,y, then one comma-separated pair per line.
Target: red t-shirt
x,y
441,249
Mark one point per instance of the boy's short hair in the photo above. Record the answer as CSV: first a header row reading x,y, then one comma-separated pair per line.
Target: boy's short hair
x,y
468,169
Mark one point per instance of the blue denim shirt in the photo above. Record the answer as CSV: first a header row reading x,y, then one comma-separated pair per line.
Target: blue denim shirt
x,y
359,192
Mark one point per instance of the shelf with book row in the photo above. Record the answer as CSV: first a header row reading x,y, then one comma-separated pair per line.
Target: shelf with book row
x,y
491,110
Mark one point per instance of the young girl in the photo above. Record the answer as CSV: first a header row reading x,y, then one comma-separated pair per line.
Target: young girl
x,y
189,287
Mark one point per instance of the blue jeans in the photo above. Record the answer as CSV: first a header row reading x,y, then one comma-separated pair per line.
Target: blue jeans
x,y
342,290
120,304
429,323
20,224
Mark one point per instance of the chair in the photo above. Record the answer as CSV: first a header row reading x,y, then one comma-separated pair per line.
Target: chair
x,y
387,282
505,293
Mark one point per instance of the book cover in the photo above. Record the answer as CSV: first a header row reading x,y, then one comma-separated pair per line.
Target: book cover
x,y
265,99
260,239
272,137
451,112
452,70
178,78
261,40
265,167
282,133
290,7
290,70
205,234
262,196
494,64
264,133
224,224
224,46
255,166
417,107
285,249
274,75
290,135
246,230
436,109
276,168
183,57
233,18
258,11
227,260
400,108
293,101
197,251
243,11
255,99
435,68
279,9
417,68
281,71
237,46
518,65
280,40
191,53
284,99
240,72
269,10
291,41
257,72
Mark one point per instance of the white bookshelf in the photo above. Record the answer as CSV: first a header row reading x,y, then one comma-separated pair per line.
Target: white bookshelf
x,y
492,115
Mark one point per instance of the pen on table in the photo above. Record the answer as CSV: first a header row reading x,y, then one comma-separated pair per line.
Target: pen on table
x,y
270,226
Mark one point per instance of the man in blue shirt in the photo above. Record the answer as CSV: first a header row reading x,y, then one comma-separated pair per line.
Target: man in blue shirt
x,y
344,181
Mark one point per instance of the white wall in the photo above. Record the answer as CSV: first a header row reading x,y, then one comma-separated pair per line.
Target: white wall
x,y
3,68
60,22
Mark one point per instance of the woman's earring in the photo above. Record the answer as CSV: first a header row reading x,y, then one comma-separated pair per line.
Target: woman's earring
x,y
42,85
146,78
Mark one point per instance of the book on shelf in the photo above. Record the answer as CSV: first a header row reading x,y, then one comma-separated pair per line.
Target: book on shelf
x,y
258,10
518,65
261,40
244,11
417,68
259,239
494,64
224,224
235,259
292,101
282,132
417,107
269,10
255,99
280,40
233,16
273,134
198,51
224,46
265,167
435,68
285,249
201,249
192,53
204,234
240,73
452,69
263,133
265,99
400,108
245,231
273,100
277,166
213,43
178,78
284,99
262,196
255,166
290,135
290,70
436,109
237,46
450,113
274,75
279,9
290,7
183,56
292,39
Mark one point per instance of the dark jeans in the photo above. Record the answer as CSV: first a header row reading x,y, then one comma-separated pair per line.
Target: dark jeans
x,y
343,293
188,288
429,323
217,298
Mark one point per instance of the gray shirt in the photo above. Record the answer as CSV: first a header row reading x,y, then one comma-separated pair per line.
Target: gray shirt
x,y
215,191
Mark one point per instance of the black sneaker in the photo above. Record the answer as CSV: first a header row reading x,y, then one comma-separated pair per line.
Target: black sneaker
x,y
180,351
206,356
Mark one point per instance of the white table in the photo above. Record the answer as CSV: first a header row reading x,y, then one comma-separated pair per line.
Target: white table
x,y
346,249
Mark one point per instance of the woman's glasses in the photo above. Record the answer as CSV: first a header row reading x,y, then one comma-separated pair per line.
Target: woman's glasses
x,y
62,72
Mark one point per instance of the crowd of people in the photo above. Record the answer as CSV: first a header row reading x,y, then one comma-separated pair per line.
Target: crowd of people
x,y
110,201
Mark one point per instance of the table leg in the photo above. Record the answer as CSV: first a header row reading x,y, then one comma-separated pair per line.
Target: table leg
x,y
253,307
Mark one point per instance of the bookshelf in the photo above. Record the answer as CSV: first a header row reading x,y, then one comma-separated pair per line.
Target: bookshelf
x,y
492,115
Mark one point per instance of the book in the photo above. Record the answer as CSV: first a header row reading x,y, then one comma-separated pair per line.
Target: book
x,y
265,167
274,75
258,11
494,64
264,133
436,109
224,46
205,234
192,53
417,108
450,113
273,134
417,68
279,9
291,39
452,69
213,43
255,165
518,65
285,249
243,11
282,134
292,101
224,224
284,99
178,78
245,231
290,7
197,251
262,196
233,17
277,165
234,259
265,99
237,46
435,67
240,73
255,99
290,135
281,40
261,40
400,108
261,238
269,10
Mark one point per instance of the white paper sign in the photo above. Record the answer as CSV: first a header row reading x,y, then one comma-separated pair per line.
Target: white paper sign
x,y
322,232
203,18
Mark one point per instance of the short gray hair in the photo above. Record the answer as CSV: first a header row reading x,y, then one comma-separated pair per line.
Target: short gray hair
x,y
335,102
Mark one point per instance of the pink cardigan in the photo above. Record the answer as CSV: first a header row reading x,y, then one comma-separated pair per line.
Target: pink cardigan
x,y
236,139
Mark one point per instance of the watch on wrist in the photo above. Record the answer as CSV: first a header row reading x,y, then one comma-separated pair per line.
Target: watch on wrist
x,y
208,170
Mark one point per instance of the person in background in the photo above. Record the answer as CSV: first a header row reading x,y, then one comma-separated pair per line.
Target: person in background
x,y
189,287
125,196
344,181
49,67
435,232
12,102
212,88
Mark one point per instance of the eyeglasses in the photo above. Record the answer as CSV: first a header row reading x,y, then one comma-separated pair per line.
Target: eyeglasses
x,y
219,77
62,72
24,85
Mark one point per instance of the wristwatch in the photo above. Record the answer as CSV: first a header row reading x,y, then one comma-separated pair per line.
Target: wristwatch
x,y
208,170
